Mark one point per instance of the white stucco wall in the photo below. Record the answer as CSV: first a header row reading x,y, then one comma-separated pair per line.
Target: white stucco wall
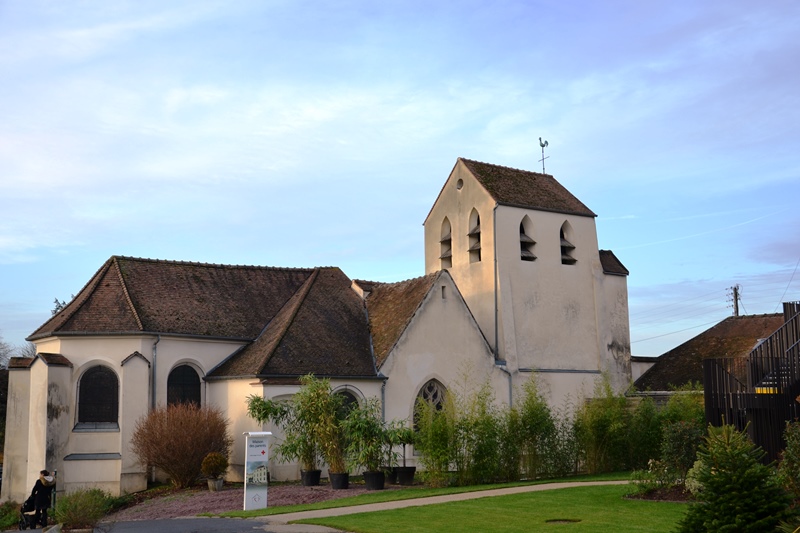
x,y
43,406
568,320
15,467
474,279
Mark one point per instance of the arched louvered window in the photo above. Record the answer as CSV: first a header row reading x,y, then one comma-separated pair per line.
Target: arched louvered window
x,y
98,399
474,236
526,242
446,245
183,386
567,248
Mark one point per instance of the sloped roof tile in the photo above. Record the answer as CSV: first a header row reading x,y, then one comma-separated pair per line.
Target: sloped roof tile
x,y
523,188
131,295
612,265
735,336
322,329
391,307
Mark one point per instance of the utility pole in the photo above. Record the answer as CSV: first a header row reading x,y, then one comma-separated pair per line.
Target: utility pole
x,y
735,297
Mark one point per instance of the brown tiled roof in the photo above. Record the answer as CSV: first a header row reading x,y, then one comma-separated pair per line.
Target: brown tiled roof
x,y
391,307
612,265
130,295
21,362
322,329
523,188
55,359
733,337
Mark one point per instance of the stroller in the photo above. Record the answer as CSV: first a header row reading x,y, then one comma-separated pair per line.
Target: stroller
x,y
27,513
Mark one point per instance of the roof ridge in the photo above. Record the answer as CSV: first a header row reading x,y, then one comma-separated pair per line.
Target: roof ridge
x,y
301,294
506,166
215,265
115,261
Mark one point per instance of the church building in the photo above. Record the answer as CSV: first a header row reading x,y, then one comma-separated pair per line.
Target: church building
x,y
515,287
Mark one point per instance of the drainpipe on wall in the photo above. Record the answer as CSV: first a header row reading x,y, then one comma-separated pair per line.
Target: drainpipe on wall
x,y
383,400
496,326
153,377
510,387
153,393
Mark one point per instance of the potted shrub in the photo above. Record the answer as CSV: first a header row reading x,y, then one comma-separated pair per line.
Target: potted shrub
x,y
369,443
213,467
300,442
312,427
405,474
324,409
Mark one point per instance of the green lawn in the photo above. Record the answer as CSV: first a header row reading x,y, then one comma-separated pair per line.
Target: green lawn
x,y
417,491
589,509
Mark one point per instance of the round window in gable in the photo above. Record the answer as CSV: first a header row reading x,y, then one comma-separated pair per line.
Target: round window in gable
x,y
459,184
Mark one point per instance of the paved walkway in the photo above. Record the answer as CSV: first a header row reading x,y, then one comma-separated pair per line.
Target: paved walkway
x,y
432,500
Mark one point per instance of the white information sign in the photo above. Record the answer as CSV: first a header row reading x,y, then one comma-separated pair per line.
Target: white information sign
x,y
255,469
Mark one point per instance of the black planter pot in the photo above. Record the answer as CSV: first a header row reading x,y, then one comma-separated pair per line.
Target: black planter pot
x,y
391,475
339,481
405,474
310,478
375,480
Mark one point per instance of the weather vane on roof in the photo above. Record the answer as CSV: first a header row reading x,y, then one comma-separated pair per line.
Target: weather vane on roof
x,y
543,144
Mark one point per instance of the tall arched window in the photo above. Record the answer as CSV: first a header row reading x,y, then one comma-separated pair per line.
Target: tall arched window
x,y
433,394
183,386
526,242
474,236
446,244
98,398
567,248
349,402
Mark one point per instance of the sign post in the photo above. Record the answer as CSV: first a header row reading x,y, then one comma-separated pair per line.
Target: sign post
x,y
255,469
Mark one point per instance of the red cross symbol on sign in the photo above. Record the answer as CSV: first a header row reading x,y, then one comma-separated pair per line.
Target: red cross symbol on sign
x,y
263,452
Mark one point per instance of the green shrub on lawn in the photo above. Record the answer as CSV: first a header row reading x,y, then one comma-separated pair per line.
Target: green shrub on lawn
x,y
83,508
740,494
602,424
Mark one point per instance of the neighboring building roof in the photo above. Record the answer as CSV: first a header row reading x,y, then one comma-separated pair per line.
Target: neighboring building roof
x,y
130,295
612,265
391,307
733,337
322,329
20,362
523,188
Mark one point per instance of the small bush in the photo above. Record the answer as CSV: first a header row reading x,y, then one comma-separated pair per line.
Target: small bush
x,y
9,514
83,508
679,447
602,428
434,440
214,465
644,433
657,476
176,438
739,492
789,467
537,431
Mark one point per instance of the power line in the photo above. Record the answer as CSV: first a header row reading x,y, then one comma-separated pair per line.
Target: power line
x,y
787,286
674,332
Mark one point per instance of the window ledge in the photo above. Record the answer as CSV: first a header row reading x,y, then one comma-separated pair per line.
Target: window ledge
x,y
96,427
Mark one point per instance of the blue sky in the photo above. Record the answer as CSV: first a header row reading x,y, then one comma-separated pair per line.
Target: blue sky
x,y
307,133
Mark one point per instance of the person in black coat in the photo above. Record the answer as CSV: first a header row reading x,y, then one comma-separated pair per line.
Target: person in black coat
x,y
41,496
